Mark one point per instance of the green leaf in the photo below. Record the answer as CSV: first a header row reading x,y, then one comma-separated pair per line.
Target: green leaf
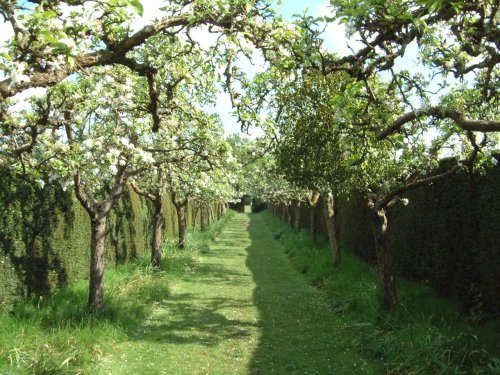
x,y
48,14
5,55
137,6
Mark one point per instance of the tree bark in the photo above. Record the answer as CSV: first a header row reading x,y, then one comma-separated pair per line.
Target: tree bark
x,y
219,211
298,215
210,214
378,220
194,211
330,226
314,227
180,207
96,279
98,213
312,201
288,209
157,240
203,218
181,221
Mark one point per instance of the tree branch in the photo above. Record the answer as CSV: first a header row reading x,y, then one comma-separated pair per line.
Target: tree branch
x,y
143,193
115,54
441,112
386,200
81,196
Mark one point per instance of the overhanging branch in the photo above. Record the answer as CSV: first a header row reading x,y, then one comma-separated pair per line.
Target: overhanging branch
x,y
440,112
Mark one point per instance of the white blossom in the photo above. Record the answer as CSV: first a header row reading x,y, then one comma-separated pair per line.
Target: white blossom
x,y
88,143
68,42
124,141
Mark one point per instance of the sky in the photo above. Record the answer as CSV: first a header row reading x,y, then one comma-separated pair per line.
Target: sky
x,y
335,40
334,37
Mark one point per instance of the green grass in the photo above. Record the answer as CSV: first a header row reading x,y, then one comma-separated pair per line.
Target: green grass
x,y
208,325
301,334
58,335
425,335
249,296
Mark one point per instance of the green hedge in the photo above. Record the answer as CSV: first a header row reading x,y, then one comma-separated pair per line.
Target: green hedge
x,y
448,236
45,236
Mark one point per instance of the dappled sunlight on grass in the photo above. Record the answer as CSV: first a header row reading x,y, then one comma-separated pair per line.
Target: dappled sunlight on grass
x,y
208,325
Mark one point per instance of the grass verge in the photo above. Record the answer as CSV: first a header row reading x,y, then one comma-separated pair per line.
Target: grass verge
x,y
58,335
425,335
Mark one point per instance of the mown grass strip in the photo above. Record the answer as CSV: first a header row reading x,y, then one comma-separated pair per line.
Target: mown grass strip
x,y
59,335
207,325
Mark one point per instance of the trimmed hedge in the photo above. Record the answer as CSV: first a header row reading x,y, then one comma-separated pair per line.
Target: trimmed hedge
x,y
448,236
45,236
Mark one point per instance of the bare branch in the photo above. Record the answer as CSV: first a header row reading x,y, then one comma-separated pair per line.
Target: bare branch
x,y
143,193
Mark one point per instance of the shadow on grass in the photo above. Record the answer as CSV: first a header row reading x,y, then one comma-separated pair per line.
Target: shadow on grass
x,y
299,332
128,299
291,342
193,318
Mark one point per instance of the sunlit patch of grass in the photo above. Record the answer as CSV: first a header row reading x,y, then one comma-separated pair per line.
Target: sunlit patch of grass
x,y
60,335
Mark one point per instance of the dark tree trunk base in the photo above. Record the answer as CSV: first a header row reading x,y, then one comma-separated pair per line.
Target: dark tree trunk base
x,y
378,221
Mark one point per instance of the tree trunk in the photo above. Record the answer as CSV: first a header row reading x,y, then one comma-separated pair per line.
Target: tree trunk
x,y
330,225
298,216
289,218
219,211
194,211
314,228
157,240
203,219
96,280
181,221
378,222
210,214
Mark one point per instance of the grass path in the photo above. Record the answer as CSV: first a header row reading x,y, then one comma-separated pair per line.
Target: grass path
x,y
243,310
